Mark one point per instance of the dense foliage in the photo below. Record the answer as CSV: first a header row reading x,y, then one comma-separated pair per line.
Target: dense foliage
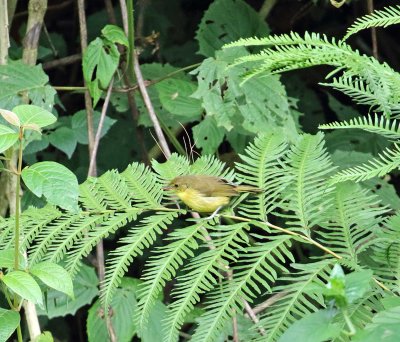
x,y
313,257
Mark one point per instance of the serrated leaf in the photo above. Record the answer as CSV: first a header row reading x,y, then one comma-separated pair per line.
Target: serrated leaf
x,y
175,97
9,322
54,181
7,259
115,34
85,289
18,78
64,139
79,125
226,21
24,285
10,117
207,135
54,276
30,114
100,61
8,137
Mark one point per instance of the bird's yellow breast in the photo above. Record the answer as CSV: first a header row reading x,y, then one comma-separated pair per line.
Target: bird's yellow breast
x,y
198,202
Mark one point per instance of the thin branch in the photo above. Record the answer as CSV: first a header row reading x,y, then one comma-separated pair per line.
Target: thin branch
x,y
4,37
149,106
374,39
100,128
110,11
270,301
266,8
62,61
124,12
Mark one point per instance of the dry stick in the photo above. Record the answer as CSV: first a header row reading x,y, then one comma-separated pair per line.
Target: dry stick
x,y
124,13
110,12
62,61
374,40
4,38
100,128
36,12
93,170
149,106
270,301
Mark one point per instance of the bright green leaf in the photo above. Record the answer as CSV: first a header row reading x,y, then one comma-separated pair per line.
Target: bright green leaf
x,y
7,259
30,114
8,137
54,276
357,284
24,285
44,337
85,289
9,321
54,181
115,34
315,327
64,139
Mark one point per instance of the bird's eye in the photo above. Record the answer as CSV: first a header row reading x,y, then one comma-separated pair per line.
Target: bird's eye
x,y
175,185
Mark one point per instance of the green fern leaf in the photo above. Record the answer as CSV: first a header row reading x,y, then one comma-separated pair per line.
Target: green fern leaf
x,y
380,18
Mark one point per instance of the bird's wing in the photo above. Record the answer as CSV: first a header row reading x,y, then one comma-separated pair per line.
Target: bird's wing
x,y
214,187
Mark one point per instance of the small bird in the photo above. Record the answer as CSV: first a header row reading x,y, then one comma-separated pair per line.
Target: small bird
x,y
206,194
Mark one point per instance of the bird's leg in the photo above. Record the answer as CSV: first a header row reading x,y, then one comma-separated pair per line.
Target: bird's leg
x,y
214,214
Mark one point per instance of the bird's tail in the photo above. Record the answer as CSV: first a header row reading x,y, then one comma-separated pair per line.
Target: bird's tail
x,y
247,188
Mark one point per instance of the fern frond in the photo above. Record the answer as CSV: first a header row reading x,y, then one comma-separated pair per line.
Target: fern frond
x,y
386,161
138,238
262,168
162,267
386,253
297,301
175,166
144,188
309,165
377,124
203,273
259,269
61,234
85,245
353,220
210,165
379,18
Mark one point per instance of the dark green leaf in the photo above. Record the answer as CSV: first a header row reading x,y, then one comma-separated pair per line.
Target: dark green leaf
x,y
207,135
64,139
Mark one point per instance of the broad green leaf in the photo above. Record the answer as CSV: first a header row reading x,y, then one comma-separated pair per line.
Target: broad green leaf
x,y
9,321
53,181
115,34
45,336
385,326
54,276
390,301
226,21
100,61
7,259
357,284
24,285
8,137
10,117
207,135
175,97
30,114
124,305
315,327
64,139
85,289
18,78
79,125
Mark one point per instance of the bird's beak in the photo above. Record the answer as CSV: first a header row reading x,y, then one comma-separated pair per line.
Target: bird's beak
x,y
168,187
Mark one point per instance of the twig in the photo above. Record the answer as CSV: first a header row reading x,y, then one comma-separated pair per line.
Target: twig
x,y
110,11
4,37
49,9
124,12
266,8
93,167
149,106
62,61
100,128
270,301
374,40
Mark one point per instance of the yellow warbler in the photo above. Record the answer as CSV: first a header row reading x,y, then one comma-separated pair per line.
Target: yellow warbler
x,y
206,194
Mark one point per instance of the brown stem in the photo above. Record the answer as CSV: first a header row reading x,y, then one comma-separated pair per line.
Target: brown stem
x,y
110,11
374,40
4,38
